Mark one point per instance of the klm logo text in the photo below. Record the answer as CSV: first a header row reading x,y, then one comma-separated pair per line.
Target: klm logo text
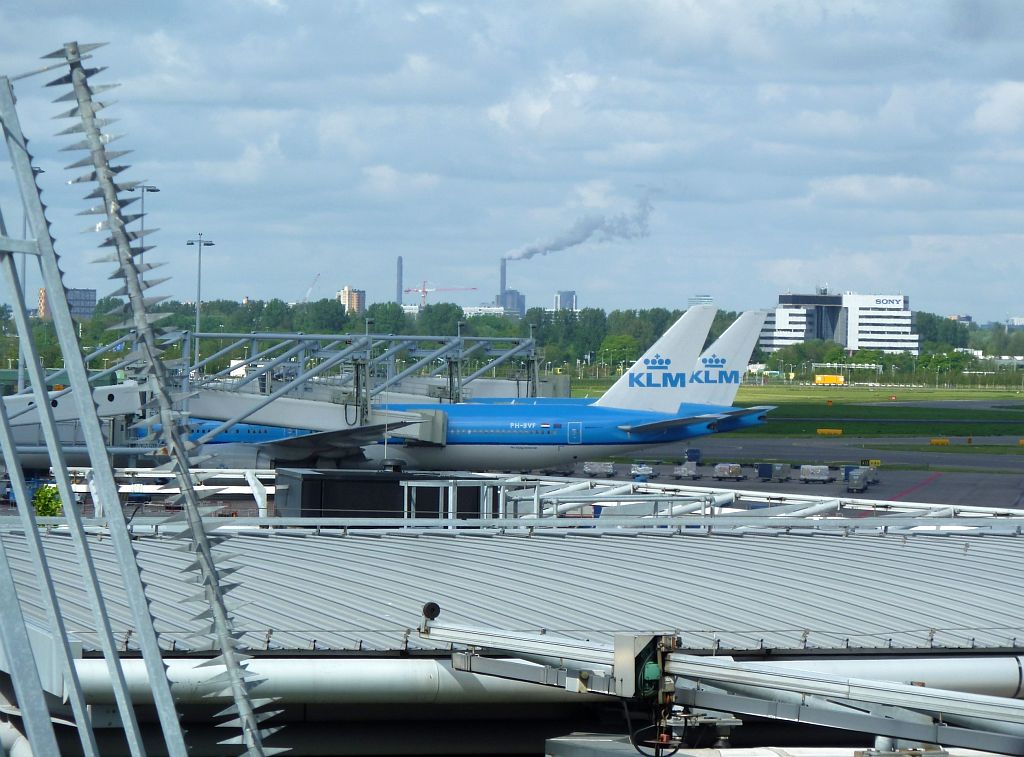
x,y
658,375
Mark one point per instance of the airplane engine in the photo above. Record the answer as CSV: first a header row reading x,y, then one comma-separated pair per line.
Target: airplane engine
x,y
236,455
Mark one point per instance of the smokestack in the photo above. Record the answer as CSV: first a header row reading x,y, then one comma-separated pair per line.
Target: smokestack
x,y
501,280
398,287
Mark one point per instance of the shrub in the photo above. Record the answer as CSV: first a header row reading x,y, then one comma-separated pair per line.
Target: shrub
x,y
46,501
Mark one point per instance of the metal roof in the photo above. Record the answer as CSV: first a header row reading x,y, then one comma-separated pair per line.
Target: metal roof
x,y
363,589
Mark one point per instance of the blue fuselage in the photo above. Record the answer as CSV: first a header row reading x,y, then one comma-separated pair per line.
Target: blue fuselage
x,y
520,434
527,434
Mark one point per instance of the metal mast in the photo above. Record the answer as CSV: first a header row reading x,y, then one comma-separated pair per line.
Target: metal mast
x,y
235,678
105,491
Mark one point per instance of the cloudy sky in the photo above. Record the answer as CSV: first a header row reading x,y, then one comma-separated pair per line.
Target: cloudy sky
x,y
738,149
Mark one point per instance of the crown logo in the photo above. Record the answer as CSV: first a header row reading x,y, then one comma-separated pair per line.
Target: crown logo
x,y
713,362
657,363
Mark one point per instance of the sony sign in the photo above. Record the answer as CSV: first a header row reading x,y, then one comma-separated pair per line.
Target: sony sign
x,y
889,301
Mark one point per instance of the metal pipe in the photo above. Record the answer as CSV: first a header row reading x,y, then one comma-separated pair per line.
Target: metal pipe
x,y
726,672
13,742
323,681
715,500
440,351
527,345
993,676
280,392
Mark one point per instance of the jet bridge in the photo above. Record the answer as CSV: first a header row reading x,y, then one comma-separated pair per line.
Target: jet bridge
x,y
356,368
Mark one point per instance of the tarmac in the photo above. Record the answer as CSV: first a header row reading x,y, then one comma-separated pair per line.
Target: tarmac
x,y
948,478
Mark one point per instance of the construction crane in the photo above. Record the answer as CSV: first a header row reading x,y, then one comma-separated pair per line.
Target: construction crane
x,y
424,289
309,291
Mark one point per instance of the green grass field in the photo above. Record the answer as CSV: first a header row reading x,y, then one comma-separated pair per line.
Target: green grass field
x,y
956,446
871,411
864,411
751,394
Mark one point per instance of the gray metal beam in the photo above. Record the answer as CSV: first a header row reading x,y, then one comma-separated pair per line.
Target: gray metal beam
x,y
414,368
218,355
526,346
935,733
24,676
146,339
66,334
47,592
285,357
280,392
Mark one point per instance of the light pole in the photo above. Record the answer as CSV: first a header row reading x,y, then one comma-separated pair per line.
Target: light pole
x,y
199,243
144,188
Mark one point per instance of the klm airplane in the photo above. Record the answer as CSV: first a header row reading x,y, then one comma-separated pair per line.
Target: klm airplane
x,y
672,393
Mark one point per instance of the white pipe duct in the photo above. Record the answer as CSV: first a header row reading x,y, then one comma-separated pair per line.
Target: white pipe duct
x,y
13,742
325,681
710,502
993,676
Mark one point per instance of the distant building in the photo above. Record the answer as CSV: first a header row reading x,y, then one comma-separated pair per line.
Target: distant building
x,y
81,301
879,322
354,300
856,321
512,301
699,299
960,318
565,300
472,310
1015,321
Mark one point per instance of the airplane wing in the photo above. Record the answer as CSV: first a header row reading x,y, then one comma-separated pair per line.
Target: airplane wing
x,y
331,443
694,420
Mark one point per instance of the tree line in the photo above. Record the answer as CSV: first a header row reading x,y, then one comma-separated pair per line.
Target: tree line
x,y
588,337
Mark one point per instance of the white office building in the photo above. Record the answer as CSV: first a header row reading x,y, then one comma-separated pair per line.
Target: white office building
x,y
879,322
856,321
565,300
785,326
473,310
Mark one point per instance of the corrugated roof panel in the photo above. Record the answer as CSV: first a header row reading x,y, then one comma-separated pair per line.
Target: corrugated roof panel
x,y
348,592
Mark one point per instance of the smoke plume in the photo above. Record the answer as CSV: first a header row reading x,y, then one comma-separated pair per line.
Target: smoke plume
x,y
601,228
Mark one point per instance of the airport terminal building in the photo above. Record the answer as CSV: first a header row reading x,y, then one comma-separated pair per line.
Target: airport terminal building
x,y
857,321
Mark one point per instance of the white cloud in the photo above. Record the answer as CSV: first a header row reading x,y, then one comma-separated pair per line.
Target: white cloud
x,y
383,180
869,189
899,111
272,5
252,166
593,194
1001,110
632,154
772,93
337,130
828,124
790,132
933,269
561,94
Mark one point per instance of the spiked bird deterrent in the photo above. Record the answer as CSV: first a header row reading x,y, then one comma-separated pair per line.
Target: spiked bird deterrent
x,y
236,680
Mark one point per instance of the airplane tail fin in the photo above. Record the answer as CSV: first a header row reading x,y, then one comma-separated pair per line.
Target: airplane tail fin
x,y
721,365
657,381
